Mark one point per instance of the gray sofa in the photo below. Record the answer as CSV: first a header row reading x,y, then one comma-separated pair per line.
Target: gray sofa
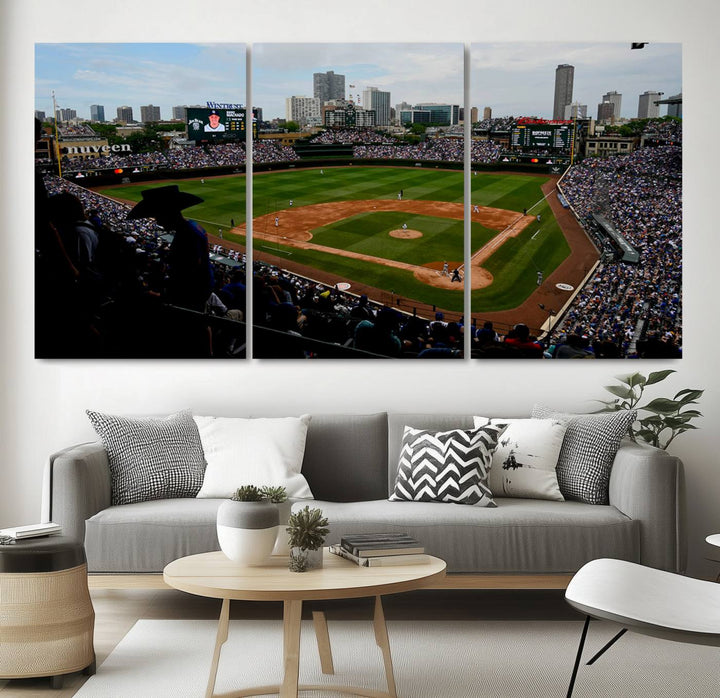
x,y
350,463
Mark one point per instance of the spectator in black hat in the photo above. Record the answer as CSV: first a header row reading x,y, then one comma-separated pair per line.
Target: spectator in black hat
x,y
190,278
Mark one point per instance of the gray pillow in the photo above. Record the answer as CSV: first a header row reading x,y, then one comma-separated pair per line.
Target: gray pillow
x,y
588,451
151,458
446,466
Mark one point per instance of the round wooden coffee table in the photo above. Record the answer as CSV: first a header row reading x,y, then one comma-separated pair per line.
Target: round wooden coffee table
x,y
214,575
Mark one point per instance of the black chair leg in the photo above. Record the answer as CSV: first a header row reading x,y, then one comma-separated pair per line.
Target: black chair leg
x,y
608,646
578,656
56,682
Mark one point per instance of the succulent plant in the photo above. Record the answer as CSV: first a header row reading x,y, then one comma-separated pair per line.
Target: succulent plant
x,y
277,495
248,493
307,529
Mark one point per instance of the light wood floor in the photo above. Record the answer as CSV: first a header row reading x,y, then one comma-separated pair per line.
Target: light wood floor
x,y
117,610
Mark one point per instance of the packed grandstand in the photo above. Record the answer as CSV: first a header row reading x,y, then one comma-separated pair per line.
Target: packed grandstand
x,y
625,309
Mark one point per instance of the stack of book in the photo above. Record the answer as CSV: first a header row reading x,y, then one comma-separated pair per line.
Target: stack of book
x,y
31,531
380,549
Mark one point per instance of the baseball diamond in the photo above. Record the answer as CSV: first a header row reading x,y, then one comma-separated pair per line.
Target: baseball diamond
x,y
347,226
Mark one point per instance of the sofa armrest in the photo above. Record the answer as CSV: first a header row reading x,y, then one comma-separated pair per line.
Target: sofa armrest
x,y
647,485
76,486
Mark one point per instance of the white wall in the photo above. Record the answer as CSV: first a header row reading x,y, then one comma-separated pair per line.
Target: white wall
x,y
43,402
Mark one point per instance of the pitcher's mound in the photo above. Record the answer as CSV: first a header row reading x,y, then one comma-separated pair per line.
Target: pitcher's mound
x,y
406,234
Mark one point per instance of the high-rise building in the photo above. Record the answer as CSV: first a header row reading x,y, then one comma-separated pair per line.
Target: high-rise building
x,y
616,99
487,113
97,112
179,112
327,86
606,111
675,106
575,111
379,102
65,114
441,113
125,115
40,115
564,75
647,109
403,106
473,115
149,113
304,110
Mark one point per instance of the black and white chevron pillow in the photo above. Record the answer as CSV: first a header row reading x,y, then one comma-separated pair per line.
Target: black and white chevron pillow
x,y
151,458
446,466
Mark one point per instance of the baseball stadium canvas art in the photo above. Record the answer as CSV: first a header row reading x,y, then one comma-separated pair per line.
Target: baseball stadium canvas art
x,y
358,239
359,243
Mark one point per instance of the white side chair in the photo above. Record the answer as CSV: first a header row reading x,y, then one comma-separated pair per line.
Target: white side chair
x,y
646,601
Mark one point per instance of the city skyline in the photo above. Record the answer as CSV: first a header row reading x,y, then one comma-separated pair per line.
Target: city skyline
x,y
512,78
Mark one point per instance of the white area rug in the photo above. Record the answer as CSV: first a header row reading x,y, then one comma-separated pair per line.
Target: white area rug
x,y
437,659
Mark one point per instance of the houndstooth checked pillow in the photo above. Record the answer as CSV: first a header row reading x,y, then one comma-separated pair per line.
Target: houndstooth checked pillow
x,y
151,458
588,451
446,466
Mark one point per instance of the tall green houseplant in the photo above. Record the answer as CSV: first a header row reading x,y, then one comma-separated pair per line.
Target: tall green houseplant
x,y
667,418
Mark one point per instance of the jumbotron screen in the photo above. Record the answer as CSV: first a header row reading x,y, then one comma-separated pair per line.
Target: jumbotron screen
x,y
542,136
215,124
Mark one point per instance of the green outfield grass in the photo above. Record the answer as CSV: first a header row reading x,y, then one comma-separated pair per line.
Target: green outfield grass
x,y
514,266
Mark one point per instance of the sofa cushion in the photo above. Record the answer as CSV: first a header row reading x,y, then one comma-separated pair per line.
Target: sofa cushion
x,y
151,458
346,457
446,466
396,424
518,536
589,447
263,451
146,536
524,462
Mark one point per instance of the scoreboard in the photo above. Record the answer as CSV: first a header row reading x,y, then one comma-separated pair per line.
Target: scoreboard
x,y
542,136
216,124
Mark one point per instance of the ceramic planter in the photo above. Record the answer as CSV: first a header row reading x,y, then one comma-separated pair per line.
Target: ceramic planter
x,y
247,531
282,541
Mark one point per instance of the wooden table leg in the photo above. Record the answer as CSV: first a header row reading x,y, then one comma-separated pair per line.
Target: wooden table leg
x,y
381,637
292,614
323,642
221,637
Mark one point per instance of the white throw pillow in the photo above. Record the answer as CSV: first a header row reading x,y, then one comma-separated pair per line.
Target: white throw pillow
x,y
525,459
263,451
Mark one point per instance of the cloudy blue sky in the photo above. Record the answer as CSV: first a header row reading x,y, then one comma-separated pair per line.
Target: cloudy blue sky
x,y
512,78
518,79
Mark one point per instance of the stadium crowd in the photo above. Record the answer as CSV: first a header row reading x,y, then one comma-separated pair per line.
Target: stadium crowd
x,y
640,194
115,302
298,306
359,136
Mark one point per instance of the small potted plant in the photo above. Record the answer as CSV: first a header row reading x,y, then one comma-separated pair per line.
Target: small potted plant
x,y
247,524
278,496
306,529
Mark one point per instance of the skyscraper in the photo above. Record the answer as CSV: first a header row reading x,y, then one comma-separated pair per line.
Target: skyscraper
x,y
178,112
149,113
327,86
379,101
97,112
304,110
606,111
575,111
125,115
616,99
675,106
647,109
487,113
564,75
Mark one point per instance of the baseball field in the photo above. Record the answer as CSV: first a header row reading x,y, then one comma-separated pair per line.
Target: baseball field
x,y
349,224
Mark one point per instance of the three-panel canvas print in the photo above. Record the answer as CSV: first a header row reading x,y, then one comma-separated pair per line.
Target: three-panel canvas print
x,y
358,201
